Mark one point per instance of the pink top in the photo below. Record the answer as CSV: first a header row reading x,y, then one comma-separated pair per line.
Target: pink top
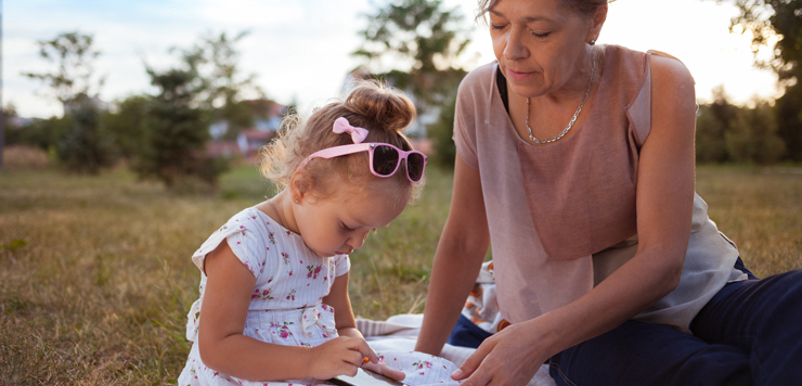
x,y
562,216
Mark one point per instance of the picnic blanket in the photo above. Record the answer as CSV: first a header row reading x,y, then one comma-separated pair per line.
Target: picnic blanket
x,y
399,333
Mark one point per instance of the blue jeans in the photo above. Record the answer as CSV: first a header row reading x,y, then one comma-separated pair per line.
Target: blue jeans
x,y
749,333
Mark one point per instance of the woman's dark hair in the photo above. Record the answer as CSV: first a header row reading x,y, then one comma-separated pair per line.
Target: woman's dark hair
x,y
583,7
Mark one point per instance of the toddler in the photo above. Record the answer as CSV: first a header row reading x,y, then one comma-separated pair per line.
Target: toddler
x,y
273,303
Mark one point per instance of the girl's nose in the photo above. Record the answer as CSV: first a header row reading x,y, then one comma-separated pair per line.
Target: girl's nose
x,y
357,241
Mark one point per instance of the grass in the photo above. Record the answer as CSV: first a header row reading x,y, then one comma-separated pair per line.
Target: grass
x,y
96,280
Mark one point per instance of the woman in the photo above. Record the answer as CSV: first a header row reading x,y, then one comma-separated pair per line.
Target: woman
x,y
577,162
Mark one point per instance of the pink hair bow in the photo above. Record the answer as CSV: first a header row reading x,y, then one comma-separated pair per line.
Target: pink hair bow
x,y
358,134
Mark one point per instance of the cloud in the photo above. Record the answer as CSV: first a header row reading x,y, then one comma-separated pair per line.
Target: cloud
x,y
251,12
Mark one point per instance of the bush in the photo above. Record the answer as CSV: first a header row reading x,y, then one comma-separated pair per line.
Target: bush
x,y
753,138
441,132
85,147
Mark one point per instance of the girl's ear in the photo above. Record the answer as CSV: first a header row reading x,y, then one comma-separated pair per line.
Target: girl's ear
x,y
300,186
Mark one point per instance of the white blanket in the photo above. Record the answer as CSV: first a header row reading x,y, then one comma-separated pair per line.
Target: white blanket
x,y
399,334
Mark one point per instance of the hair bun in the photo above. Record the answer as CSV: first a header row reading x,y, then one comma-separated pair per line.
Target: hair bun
x,y
385,107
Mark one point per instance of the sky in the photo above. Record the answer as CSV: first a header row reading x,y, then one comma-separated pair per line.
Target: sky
x,y
299,50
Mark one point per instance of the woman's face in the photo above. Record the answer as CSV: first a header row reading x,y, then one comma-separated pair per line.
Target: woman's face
x,y
540,45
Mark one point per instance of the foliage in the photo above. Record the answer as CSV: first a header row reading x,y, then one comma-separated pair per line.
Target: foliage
x,y
72,52
41,133
714,120
175,131
441,132
789,121
780,19
224,85
85,147
127,123
730,133
424,40
753,137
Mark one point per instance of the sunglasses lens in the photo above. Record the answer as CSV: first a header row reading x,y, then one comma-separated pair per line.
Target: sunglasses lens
x,y
415,162
385,159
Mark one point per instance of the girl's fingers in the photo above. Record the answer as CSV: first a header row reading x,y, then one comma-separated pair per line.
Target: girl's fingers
x,y
353,357
387,371
366,351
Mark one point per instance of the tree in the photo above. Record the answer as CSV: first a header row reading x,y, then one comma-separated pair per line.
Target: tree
x,y
425,39
85,146
780,19
445,152
176,130
753,136
72,52
127,124
224,84
714,122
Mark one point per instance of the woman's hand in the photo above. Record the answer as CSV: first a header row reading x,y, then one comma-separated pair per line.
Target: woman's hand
x,y
341,355
510,357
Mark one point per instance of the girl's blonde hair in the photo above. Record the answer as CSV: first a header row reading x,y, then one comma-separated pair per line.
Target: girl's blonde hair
x,y
383,111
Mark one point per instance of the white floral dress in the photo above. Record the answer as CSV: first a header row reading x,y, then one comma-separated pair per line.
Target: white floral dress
x,y
286,306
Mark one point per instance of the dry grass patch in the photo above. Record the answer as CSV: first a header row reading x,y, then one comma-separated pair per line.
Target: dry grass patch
x,y
98,288
24,158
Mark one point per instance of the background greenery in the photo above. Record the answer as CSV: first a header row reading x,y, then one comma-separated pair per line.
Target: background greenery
x,y
96,276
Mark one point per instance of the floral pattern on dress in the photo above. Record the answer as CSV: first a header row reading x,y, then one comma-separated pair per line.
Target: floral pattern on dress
x,y
279,297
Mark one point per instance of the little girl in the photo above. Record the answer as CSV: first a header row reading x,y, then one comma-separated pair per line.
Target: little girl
x,y
273,300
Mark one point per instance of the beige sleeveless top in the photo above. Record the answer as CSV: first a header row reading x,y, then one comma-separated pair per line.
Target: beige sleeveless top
x,y
562,216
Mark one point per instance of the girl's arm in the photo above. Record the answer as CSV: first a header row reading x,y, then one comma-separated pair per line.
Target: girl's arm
x,y
346,325
343,314
225,348
457,261
664,206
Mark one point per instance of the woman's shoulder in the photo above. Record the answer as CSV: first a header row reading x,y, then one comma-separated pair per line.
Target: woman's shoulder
x,y
480,77
628,59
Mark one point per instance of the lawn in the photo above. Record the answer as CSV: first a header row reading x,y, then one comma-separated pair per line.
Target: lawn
x,y
97,290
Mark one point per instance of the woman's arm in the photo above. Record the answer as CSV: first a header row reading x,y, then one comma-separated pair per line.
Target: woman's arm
x,y
460,252
664,206
225,348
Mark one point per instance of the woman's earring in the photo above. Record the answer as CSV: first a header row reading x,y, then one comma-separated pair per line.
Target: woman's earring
x,y
592,42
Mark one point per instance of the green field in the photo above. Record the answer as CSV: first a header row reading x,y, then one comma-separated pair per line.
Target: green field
x,y
99,291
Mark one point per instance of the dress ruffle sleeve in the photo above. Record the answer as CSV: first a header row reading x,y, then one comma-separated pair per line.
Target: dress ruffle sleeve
x,y
342,264
245,243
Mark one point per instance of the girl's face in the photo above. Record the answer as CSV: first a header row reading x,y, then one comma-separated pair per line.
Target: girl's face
x,y
339,224
540,45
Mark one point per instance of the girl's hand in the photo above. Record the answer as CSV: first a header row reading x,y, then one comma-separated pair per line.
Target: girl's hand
x,y
510,357
341,355
383,369
376,367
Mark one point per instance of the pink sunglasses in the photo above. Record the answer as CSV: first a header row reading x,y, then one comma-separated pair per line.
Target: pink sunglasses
x,y
384,158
